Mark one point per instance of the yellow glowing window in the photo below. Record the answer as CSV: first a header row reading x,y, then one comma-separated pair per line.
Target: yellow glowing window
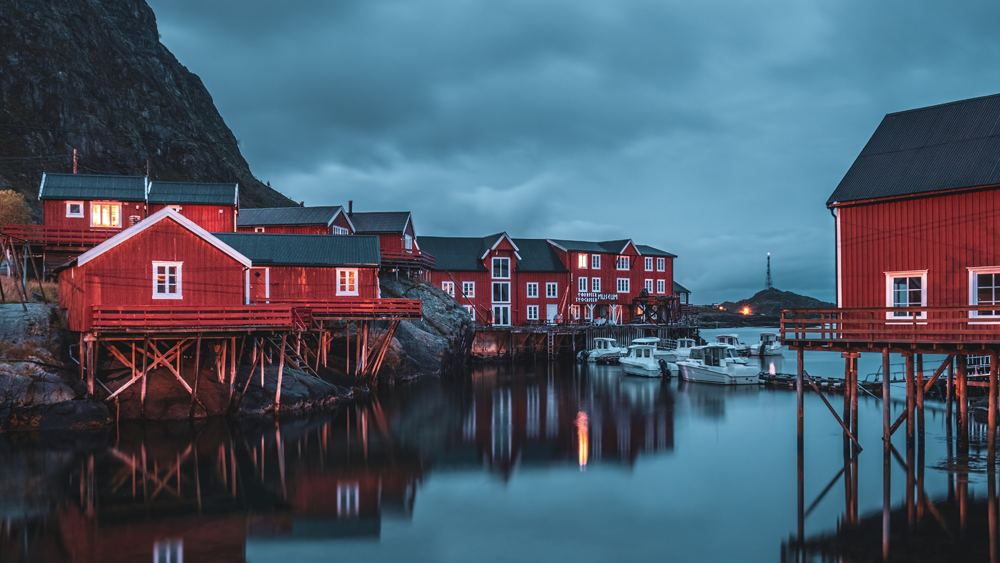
x,y
105,215
347,282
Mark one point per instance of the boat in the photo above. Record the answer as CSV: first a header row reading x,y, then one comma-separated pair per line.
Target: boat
x,y
605,349
678,352
717,363
641,360
733,340
769,345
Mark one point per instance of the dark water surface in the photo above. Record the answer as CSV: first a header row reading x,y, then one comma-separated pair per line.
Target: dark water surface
x,y
538,463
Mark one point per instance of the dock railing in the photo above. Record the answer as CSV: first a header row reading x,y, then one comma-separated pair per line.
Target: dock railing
x,y
966,324
57,236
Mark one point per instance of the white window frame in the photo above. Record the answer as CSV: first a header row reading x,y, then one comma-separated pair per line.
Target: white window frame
x,y
661,264
922,274
469,289
974,292
110,204
649,264
472,311
348,499
407,242
532,290
581,285
661,286
574,312
622,261
258,229
623,285
508,291
172,550
649,286
338,230
581,261
532,312
347,290
78,214
449,288
502,307
180,279
500,260
595,285
551,290
595,261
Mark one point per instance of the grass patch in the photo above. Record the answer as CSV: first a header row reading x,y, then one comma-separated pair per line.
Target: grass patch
x,y
12,290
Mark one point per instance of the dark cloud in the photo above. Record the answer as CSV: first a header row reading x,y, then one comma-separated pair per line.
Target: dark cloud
x,y
712,129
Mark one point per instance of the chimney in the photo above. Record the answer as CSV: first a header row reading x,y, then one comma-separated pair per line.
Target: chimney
x,y
350,207
302,204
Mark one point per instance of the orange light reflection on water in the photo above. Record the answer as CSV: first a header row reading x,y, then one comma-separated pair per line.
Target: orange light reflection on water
x,y
581,432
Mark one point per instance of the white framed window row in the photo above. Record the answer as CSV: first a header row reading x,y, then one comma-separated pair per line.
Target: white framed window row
x,y
532,289
661,286
622,263
984,289
501,292
501,268
532,312
449,288
623,285
581,261
649,286
595,261
74,209
472,311
649,264
906,289
469,289
582,285
337,230
661,264
168,280
347,281
551,290
595,285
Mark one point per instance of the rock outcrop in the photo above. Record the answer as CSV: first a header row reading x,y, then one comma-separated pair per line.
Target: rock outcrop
x,y
93,76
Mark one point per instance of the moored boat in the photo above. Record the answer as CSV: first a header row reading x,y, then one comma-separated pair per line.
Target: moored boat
x,y
605,349
717,363
769,345
733,341
641,360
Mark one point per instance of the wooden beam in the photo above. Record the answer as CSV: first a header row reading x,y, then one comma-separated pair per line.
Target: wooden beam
x,y
197,381
281,370
832,411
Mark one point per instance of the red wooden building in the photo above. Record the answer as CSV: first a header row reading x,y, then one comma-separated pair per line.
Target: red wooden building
x,y
330,220
397,237
92,202
214,207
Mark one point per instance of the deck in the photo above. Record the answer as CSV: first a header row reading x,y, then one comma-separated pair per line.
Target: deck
x,y
910,329
58,236
400,258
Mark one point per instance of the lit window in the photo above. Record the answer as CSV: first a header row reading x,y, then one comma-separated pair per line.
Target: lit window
x,y
661,264
176,208
74,209
595,285
348,499
105,215
469,289
595,261
984,289
622,263
581,261
623,285
532,312
582,285
551,290
448,287
649,286
167,280
533,289
649,264
661,286
347,281
258,229
906,289
501,292
168,551
501,268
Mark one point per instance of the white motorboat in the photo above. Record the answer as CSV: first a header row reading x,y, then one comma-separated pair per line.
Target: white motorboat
x,y
733,340
679,352
604,349
717,363
769,345
641,360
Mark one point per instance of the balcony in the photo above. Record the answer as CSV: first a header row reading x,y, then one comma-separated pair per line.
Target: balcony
x,y
401,258
58,236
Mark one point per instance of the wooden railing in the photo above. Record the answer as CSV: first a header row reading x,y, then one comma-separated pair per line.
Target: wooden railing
x,y
973,324
408,257
57,236
371,309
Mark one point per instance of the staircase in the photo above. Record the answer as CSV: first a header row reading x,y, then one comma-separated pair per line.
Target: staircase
x,y
294,359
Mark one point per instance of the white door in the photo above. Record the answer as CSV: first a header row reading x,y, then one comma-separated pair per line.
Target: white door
x,y
501,315
550,312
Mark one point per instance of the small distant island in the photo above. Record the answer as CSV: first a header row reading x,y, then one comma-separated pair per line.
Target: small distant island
x,y
763,309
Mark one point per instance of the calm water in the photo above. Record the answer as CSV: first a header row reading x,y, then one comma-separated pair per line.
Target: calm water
x,y
537,463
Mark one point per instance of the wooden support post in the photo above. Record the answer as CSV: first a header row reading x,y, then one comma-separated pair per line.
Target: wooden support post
x,y
847,401
197,379
854,417
886,480
142,399
347,355
38,278
949,396
920,397
961,390
910,398
281,370
90,366
886,436
81,355
991,437
319,350
799,389
232,369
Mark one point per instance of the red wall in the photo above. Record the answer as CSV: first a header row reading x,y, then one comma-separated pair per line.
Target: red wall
x,y
54,214
341,221
317,284
943,234
212,218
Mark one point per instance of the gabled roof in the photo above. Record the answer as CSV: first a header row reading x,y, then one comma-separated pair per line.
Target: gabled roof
x,y
537,255
272,249
192,193
492,241
651,251
943,147
92,187
461,254
605,247
164,214
380,222
289,216
678,288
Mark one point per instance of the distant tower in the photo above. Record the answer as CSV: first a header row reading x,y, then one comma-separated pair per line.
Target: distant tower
x,y
768,284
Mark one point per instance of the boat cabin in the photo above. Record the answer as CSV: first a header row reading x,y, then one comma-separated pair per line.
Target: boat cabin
x,y
328,220
715,354
214,207
729,339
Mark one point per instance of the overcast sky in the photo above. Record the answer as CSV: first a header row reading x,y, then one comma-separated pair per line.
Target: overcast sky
x,y
711,129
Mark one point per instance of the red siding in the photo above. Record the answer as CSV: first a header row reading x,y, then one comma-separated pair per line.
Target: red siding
x,y
54,214
290,229
317,284
341,221
212,218
944,235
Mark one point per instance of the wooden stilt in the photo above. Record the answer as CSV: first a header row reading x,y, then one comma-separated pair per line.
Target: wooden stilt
x,y
347,355
910,398
991,437
920,396
142,399
799,389
197,381
38,278
232,369
81,354
854,413
281,369
91,366
886,377
949,395
961,390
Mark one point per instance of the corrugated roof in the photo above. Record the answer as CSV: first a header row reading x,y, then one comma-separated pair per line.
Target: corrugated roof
x,y
678,288
192,193
651,251
455,253
265,249
287,216
380,222
537,255
604,247
92,186
943,147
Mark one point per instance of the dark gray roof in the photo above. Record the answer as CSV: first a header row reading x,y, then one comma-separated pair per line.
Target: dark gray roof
x,y
537,255
304,250
92,186
651,251
192,193
380,222
954,145
678,288
287,216
605,247
455,253
488,242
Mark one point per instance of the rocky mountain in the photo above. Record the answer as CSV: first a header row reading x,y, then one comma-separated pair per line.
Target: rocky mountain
x,y
770,302
92,75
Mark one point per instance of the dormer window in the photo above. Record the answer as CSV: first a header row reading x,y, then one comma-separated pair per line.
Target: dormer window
x,y
501,268
74,209
623,262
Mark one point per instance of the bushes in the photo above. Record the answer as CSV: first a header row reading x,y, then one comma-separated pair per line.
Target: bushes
x,y
13,209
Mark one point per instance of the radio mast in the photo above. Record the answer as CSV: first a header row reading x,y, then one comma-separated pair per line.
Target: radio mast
x,y
768,284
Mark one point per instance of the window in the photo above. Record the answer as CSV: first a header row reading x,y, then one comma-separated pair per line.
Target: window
x,y
501,315
623,285
472,311
533,289
649,264
582,285
551,290
501,268
106,215
407,242
469,289
258,229
649,286
581,261
906,289
661,286
574,312
339,230
622,263
176,208
595,285
532,312
168,551
347,281
501,292
588,312
661,264
595,261
449,288
74,209
348,499
167,280
984,289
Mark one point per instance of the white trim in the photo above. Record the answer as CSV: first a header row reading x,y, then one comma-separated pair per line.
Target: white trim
x,y
346,216
509,296
974,291
527,290
503,235
357,281
581,284
246,286
922,274
448,287
236,197
83,208
153,219
586,260
661,286
592,257
648,263
42,187
267,283
618,263
634,247
840,285
530,308
595,285
469,294
110,204
179,282
550,241
661,264
648,285
493,267
628,285
555,292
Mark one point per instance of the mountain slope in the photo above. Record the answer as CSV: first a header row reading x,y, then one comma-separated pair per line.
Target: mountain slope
x,y
92,75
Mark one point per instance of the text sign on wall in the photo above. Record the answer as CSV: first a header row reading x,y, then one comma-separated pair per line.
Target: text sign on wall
x,y
595,297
